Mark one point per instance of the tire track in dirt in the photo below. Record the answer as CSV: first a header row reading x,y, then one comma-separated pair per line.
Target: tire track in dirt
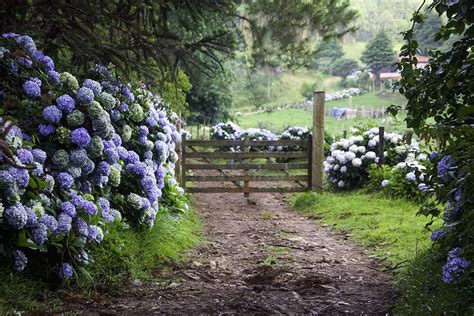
x,y
262,259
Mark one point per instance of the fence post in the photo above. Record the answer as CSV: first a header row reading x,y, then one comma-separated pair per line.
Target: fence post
x,y
178,149
183,162
318,140
246,172
381,144
310,161
408,137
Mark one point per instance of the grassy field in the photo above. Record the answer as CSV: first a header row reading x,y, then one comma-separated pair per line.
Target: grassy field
x,y
370,100
388,228
278,121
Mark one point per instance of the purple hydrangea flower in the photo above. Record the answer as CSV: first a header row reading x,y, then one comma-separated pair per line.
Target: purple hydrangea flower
x,y
66,103
444,166
46,129
52,114
80,137
109,218
104,204
38,155
48,63
115,115
16,216
20,260
123,153
65,180
20,175
123,107
32,89
455,266
148,155
38,56
31,217
151,121
25,156
89,207
93,85
117,140
103,168
111,155
133,157
66,271
85,95
64,223
49,221
95,233
138,169
39,234
81,228
437,235
27,43
143,130
53,76
108,144
69,209
128,94
10,35
24,61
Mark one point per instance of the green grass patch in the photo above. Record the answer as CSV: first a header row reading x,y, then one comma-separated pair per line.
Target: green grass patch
x,y
388,228
278,121
370,100
124,255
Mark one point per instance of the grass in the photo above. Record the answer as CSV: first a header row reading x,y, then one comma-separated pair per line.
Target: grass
x,y
389,228
277,121
370,100
125,254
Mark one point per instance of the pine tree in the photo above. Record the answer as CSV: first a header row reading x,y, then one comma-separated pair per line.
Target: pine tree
x,y
378,53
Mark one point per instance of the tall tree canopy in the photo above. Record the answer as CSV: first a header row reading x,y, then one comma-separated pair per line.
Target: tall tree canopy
x,y
378,53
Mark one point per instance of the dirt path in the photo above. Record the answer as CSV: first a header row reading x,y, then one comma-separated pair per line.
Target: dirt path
x,y
261,259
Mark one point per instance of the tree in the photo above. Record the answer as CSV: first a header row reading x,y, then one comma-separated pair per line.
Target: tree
x,y
425,32
344,66
326,53
378,54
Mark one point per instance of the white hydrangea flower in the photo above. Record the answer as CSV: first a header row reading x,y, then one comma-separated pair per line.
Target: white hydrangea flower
x,y
330,160
361,149
400,149
336,167
422,157
353,148
370,155
372,143
343,169
340,184
357,162
349,155
341,158
384,183
423,187
410,176
401,165
374,130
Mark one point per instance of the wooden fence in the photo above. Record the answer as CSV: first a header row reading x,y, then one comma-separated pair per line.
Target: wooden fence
x,y
237,167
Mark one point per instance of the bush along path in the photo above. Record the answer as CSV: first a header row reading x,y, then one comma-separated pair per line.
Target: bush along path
x,y
259,258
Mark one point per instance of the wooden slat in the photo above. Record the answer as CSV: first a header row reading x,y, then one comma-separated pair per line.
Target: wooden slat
x,y
242,155
243,190
246,178
251,143
253,166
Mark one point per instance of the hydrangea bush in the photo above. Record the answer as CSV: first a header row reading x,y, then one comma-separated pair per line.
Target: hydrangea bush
x,y
347,166
85,154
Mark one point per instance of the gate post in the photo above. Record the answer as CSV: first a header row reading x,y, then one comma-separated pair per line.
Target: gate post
x,y
318,141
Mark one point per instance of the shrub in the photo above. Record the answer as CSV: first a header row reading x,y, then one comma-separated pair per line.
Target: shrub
x,y
87,154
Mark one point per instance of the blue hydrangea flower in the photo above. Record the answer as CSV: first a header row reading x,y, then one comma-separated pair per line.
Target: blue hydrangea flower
x,y
52,114
138,169
89,207
66,271
111,155
103,168
32,89
85,95
31,217
38,56
16,216
46,129
80,137
444,166
27,43
117,140
25,62
123,153
80,227
455,266
95,233
109,218
143,130
66,103
78,157
133,157
128,94
38,155
48,63
88,167
49,221
20,260
104,204
151,122
10,35
69,209
64,223
148,155
53,76
123,107
115,115
65,180
93,85
39,234
25,156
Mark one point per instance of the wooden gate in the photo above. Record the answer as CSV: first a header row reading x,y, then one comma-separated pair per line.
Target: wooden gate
x,y
236,164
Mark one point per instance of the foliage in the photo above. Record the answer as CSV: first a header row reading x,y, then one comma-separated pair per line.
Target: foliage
x,y
307,89
378,53
86,156
347,166
210,98
327,52
343,67
440,108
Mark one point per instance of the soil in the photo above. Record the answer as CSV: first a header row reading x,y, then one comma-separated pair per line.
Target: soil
x,y
258,258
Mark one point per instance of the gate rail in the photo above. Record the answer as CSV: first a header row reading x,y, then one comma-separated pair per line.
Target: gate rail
x,y
240,160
